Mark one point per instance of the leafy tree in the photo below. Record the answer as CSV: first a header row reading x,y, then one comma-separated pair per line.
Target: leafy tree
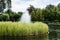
x,y
3,4
15,16
12,15
58,5
37,15
50,13
31,8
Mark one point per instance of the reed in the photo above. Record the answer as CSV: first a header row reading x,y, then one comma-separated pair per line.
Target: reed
x,y
22,29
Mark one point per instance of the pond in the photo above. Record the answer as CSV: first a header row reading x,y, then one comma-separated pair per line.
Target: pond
x,y
54,35
54,31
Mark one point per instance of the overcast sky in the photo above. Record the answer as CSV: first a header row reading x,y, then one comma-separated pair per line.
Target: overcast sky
x,y
22,5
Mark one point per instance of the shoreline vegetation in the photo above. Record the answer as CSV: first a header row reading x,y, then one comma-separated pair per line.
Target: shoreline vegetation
x,y
23,29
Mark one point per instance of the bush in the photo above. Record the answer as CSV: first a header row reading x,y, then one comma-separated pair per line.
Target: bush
x,y
4,17
13,16
22,29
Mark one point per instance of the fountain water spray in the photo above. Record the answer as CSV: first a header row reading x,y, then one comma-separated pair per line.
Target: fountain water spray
x,y
26,17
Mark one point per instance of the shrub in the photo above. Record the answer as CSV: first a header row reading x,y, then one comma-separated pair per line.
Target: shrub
x,y
22,29
4,17
13,16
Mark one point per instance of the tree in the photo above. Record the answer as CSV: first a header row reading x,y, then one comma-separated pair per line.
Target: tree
x,y
2,5
51,13
31,8
37,15
13,16
58,5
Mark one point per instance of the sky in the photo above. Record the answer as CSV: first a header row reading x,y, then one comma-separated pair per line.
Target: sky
x,y
22,5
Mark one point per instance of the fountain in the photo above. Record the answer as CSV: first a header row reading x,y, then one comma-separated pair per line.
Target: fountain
x,y
26,17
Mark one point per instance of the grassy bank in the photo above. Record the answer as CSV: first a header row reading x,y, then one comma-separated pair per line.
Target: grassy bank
x,y
22,29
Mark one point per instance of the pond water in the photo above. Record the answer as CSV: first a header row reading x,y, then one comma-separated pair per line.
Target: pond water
x,y
54,31
24,38
52,36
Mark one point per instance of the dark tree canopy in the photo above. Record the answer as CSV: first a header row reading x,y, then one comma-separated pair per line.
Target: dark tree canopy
x,y
49,14
31,8
59,5
3,4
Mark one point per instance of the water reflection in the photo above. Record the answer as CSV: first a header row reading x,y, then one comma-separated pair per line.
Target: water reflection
x,y
54,35
24,38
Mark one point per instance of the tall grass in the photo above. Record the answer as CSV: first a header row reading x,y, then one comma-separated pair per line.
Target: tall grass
x,y
22,29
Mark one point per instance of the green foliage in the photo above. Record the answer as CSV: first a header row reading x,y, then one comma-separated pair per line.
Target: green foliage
x,y
49,14
4,17
58,5
23,29
12,15
31,8
15,17
3,4
37,15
